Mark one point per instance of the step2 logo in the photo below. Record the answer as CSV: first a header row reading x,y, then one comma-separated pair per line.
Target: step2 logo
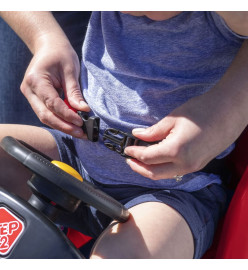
x,y
11,228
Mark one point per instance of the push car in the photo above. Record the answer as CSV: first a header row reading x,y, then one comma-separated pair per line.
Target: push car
x,y
28,229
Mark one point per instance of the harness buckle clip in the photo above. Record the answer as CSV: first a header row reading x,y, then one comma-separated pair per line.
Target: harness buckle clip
x,y
90,126
117,141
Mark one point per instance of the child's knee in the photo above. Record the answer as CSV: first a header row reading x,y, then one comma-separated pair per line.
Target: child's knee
x,y
154,231
121,241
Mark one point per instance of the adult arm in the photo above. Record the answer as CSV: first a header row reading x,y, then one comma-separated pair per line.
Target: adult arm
x,y
199,130
54,68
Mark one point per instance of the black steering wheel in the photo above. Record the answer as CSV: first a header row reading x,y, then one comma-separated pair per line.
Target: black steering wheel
x,y
52,178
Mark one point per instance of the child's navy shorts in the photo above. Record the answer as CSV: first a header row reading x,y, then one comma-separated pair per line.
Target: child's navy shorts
x,y
201,209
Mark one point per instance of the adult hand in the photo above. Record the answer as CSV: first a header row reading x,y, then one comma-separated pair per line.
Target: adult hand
x,y
182,149
55,68
191,136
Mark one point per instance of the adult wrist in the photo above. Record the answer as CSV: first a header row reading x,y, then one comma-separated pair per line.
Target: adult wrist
x,y
50,39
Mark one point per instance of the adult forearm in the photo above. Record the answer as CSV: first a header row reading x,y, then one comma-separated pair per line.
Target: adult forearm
x,y
232,90
34,27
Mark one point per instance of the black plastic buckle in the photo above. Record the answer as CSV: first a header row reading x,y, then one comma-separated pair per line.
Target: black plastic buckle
x,y
90,126
117,141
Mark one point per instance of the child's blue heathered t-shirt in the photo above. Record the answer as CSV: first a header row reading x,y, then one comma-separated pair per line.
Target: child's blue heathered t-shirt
x,y
135,71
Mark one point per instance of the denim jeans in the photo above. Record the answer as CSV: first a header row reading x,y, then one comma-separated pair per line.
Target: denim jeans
x,y
15,57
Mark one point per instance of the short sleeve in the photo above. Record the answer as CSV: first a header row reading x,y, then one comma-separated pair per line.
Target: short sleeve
x,y
224,29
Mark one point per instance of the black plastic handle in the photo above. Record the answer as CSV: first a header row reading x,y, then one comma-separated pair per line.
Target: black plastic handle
x,y
84,191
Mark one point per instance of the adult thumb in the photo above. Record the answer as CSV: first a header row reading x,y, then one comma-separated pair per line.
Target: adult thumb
x,y
74,95
157,132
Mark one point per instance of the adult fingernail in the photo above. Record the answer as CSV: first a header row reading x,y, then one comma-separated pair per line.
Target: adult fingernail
x,y
139,130
84,104
77,133
77,123
128,161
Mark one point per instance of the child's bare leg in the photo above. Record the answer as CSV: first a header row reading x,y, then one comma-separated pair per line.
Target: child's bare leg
x,y
154,230
13,175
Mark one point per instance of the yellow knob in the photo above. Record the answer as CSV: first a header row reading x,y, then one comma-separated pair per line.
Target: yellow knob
x,y
65,167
